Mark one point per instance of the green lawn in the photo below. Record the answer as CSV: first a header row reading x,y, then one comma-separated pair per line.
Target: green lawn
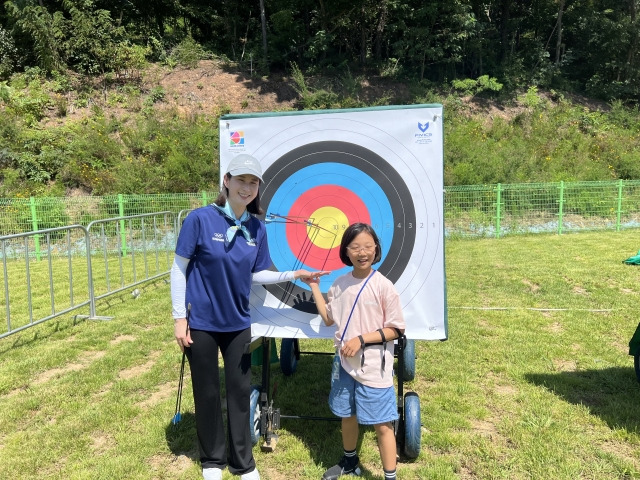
x,y
535,381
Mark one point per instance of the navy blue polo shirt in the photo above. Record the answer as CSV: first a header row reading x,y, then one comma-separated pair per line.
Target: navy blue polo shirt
x,y
219,279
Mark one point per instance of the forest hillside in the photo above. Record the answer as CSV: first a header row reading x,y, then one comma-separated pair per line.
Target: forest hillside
x,y
100,97
156,130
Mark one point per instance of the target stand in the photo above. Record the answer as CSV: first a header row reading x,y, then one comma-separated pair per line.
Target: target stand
x,y
265,418
323,171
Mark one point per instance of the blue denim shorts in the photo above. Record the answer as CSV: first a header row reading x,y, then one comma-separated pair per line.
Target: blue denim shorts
x,y
370,405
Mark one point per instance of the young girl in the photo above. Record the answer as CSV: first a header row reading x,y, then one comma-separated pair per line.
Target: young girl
x,y
366,309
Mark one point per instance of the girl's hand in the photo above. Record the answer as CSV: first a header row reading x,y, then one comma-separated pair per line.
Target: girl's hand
x,y
182,333
351,347
310,280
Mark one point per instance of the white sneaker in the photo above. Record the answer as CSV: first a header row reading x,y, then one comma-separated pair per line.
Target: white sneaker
x,y
212,474
252,475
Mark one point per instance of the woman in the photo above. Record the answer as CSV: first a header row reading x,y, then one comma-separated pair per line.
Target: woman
x,y
221,250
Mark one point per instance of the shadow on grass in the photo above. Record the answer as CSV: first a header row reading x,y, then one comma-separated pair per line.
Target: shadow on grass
x,y
305,393
38,333
610,393
181,437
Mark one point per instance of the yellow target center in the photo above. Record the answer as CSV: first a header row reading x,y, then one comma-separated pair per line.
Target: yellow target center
x,y
332,222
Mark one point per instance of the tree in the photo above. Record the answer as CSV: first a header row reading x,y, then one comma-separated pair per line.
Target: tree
x,y
40,32
559,28
602,44
93,39
263,23
432,36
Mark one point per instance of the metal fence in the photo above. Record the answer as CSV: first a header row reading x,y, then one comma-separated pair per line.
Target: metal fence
x,y
35,291
20,215
469,211
82,249
51,272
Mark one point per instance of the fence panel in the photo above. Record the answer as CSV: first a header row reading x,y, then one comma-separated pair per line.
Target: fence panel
x,y
630,205
51,272
127,251
529,208
470,211
21,215
497,210
37,286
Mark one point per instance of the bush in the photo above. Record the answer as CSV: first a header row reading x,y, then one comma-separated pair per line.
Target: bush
x,y
90,157
29,102
169,154
469,86
187,53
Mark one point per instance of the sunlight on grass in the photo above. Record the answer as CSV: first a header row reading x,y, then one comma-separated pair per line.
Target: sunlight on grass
x,y
535,380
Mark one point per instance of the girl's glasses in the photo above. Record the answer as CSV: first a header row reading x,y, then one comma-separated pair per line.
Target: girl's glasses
x,y
358,249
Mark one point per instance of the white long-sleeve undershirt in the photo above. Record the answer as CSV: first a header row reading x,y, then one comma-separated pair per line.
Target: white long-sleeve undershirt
x,y
179,283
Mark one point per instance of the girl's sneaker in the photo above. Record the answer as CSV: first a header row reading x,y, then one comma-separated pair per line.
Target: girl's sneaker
x,y
346,466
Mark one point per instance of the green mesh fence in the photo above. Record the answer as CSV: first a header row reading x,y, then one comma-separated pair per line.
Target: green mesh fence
x,y
505,209
20,215
469,210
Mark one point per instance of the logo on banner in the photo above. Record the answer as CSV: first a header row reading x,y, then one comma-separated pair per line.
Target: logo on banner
x,y
423,137
236,139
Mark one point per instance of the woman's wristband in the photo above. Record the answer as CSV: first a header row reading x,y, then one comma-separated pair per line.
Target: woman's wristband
x,y
362,344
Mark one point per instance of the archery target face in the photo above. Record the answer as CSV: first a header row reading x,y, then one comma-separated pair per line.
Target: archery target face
x,y
332,184
324,172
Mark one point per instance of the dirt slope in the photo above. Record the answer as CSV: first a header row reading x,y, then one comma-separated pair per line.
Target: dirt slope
x,y
215,88
210,88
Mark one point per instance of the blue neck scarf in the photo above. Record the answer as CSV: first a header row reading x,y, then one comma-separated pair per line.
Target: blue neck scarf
x,y
227,211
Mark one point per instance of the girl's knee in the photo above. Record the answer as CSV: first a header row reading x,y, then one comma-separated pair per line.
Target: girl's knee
x,y
383,427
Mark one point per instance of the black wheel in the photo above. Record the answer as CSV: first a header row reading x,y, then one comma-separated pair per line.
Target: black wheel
x,y
288,359
409,357
412,425
636,365
254,414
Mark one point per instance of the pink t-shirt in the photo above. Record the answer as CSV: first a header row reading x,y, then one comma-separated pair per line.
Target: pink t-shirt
x,y
378,307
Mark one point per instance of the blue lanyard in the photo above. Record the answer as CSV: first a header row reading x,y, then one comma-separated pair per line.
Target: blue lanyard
x,y
354,305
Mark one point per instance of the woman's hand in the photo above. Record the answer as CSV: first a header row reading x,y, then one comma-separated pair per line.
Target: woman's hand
x,y
182,333
305,275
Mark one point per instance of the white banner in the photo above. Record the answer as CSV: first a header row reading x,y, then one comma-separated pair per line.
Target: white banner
x,y
324,170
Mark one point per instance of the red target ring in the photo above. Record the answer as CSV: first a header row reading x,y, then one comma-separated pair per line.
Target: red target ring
x,y
336,206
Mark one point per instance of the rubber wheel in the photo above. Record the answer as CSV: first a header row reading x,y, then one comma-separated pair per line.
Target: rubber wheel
x,y
409,357
636,365
254,414
288,360
412,425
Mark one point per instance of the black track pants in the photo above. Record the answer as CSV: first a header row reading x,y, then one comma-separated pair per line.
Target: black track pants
x,y
205,379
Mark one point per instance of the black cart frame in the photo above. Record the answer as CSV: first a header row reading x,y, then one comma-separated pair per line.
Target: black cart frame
x,y
265,418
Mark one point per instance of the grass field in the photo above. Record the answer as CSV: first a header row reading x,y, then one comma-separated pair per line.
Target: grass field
x,y
535,381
